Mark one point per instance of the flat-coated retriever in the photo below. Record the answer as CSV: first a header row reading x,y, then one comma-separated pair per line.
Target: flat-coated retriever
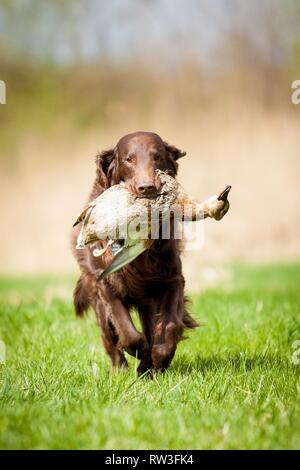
x,y
153,283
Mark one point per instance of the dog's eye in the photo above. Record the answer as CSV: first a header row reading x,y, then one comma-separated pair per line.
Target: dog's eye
x,y
156,157
129,158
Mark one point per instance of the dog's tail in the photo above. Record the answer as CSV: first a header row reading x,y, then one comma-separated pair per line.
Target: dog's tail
x,y
81,297
188,320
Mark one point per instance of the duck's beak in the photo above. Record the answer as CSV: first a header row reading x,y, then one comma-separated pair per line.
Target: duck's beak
x,y
124,257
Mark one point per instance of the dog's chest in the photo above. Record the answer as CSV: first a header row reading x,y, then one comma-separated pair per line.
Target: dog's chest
x,y
151,274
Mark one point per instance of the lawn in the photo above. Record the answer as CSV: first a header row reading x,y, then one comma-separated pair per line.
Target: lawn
x,y
232,384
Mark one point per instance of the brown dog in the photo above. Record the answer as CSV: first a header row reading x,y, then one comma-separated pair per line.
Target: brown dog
x,y
153,283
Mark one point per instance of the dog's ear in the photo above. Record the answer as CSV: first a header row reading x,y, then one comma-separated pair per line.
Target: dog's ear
x,y
173,154
113,170
106,165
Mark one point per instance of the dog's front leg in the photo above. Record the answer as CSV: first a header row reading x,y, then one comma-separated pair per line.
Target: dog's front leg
x,y
148,316
169,328
130,339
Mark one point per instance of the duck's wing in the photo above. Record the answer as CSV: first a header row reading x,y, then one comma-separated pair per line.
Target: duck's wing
x,y
124,256
83,217
84,213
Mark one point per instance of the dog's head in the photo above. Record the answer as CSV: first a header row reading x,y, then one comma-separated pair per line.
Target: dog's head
x,y
135,160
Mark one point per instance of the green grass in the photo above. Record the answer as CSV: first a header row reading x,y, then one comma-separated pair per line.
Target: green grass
x,y
231,385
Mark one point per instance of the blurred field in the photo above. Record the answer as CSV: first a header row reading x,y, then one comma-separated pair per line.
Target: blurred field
x,y
254,150
213,79
231,385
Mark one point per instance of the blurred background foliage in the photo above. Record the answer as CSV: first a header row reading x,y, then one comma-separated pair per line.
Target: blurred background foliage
x,y
213,77
83,63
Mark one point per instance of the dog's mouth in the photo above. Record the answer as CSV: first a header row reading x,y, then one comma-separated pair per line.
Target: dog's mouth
x,y
151,196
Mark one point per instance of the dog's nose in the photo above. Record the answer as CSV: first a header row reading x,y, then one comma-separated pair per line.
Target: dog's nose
x,y
146,188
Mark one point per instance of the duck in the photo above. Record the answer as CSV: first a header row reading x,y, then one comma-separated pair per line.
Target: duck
x,y
127,222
